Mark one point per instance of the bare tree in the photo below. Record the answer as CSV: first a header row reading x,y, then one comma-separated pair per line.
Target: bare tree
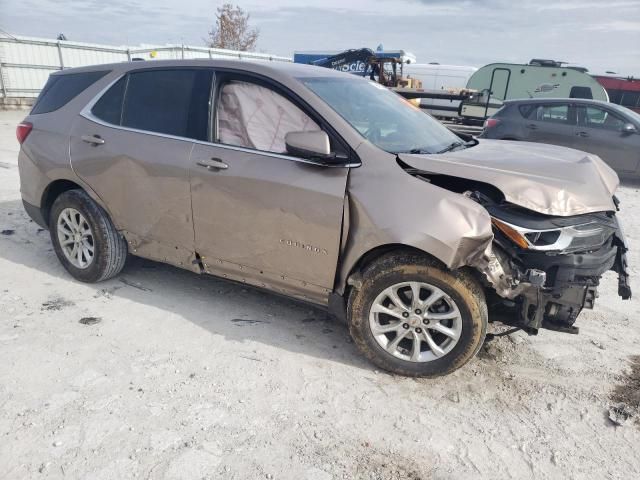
x,y
232,30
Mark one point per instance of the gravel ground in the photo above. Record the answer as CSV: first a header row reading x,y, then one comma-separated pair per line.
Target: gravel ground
x,y
161,373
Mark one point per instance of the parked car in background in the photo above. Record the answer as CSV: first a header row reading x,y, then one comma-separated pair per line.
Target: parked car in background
x,y
327,188
604,129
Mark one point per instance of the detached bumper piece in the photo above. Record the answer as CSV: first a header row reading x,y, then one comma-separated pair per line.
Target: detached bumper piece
x,y
570,285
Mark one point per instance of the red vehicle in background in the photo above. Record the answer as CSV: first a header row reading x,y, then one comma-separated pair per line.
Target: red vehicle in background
x,y
622,91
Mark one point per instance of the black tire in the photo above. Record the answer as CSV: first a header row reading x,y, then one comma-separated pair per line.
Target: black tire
x,y
460,286
110,247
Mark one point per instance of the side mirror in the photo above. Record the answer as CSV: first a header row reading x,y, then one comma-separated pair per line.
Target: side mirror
x,y
629,128
313,144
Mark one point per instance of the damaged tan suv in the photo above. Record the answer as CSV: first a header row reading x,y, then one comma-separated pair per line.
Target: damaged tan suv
x,y
324,187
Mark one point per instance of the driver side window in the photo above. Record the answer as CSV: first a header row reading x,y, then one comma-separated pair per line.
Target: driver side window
x,y
594,117
252,116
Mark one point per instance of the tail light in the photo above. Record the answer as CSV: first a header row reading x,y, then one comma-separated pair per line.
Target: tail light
x,y
23,130
491,122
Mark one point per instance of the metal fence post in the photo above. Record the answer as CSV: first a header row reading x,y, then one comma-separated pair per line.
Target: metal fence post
x,y
2,87
60,56
183,51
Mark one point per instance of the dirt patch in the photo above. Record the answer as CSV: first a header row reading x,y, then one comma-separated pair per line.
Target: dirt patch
x,y
106,292
243,322
90,320
56,303
626,396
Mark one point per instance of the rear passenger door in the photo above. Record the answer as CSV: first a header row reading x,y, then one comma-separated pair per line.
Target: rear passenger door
x,y
552,123
263,216
132,147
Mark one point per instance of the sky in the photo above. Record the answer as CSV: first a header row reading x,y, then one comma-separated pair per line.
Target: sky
x,y
600,35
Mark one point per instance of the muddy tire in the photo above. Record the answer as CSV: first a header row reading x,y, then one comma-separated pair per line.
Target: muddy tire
x,y
84,238
446,332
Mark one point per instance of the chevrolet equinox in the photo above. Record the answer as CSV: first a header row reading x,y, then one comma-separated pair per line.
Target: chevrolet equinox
x,y
325,187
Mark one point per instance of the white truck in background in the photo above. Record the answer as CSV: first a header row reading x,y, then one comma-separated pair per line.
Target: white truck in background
x,y
447,78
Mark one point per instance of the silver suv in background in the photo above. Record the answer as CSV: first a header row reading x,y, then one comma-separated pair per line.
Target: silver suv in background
x,y
604,129
324,187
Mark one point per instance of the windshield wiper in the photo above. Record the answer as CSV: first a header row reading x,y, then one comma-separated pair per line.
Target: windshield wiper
x,y
451,147
415,151
425,151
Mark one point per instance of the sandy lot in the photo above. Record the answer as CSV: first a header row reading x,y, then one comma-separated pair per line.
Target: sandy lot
x,y
185,376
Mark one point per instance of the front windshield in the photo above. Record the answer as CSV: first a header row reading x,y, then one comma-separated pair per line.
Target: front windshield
x,y
383,117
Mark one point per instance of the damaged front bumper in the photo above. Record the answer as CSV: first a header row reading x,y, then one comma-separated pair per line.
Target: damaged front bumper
x,y
545,289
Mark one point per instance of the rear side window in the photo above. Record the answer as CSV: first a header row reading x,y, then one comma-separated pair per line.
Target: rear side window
x,y
61,89
552,114
526,110
173,102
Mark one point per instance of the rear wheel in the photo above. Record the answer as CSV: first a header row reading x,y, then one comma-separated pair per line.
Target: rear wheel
x,y
84,238
414,317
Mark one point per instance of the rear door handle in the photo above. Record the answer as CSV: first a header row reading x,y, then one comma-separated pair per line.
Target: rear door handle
x,y
582,134
532,126
213,164
95,140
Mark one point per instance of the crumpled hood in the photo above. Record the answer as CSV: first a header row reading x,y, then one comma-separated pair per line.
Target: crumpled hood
x,y
545,178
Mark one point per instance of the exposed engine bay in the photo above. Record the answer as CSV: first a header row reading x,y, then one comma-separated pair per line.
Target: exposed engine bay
x,y
541,270
546,269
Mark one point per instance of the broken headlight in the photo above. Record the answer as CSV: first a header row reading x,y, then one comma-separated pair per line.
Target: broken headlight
x,y
573,238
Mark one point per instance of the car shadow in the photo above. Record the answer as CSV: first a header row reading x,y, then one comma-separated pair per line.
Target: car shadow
x,y
630,182
242,313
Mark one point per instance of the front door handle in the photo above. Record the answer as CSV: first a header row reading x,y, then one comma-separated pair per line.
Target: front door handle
x,y
532,126
213,164
582,134
95,140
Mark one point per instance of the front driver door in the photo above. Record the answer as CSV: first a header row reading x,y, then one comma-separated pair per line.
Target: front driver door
x,y
262,216
599,131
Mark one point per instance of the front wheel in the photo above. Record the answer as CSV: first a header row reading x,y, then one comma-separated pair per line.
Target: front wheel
x,y
414,317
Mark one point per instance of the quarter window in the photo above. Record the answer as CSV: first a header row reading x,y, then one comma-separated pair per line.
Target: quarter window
x,y
109,107
61,89
173,102
253,116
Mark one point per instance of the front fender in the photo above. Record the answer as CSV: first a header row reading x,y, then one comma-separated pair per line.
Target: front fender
x,y
389,206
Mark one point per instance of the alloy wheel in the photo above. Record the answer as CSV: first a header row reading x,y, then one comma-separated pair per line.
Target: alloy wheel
x,y
75,238
415,321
